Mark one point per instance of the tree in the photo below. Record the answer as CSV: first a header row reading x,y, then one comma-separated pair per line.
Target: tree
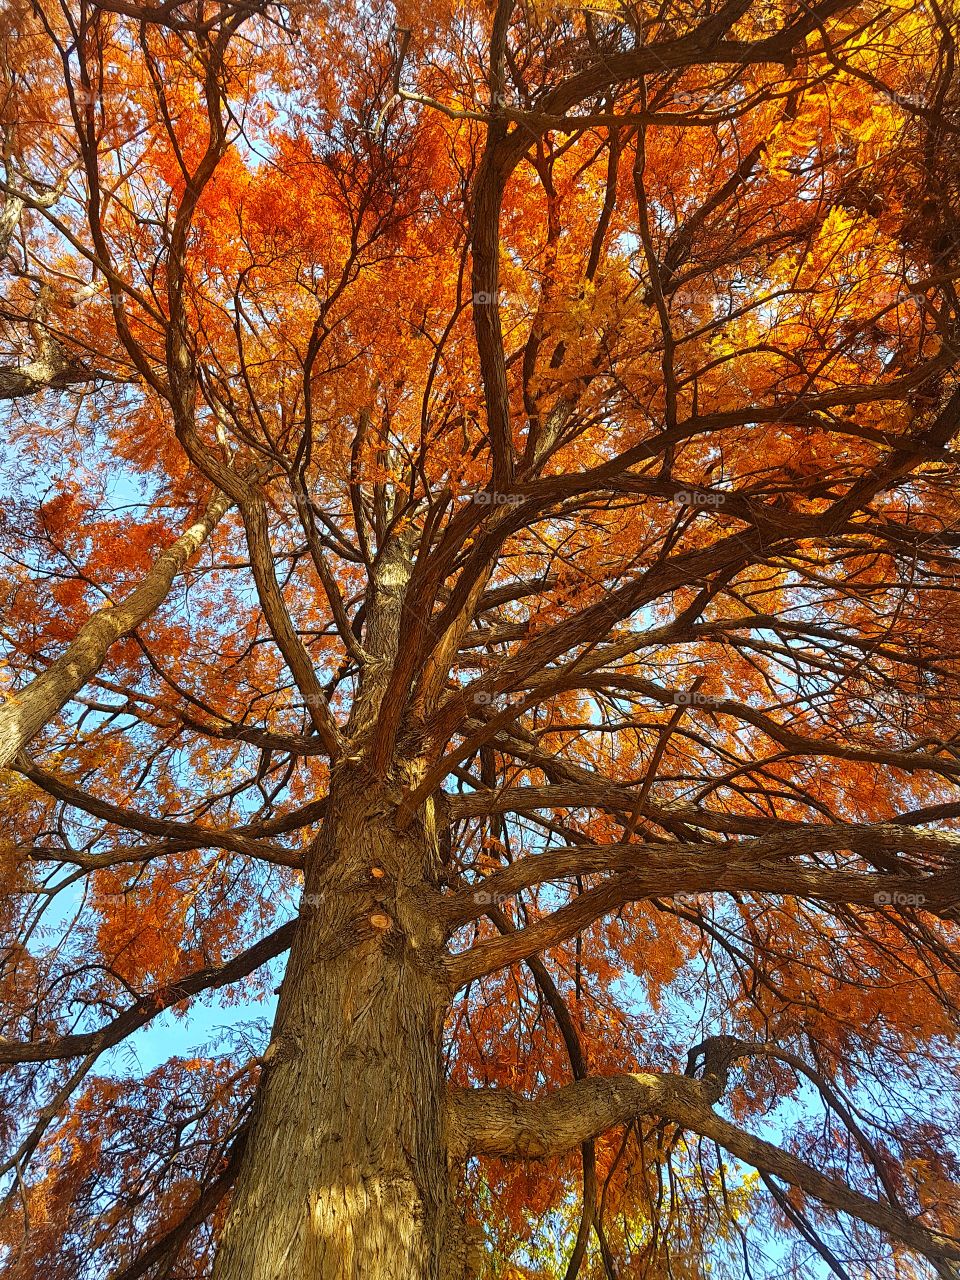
x,y
481,523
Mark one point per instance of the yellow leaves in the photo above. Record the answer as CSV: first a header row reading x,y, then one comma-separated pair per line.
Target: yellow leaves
x,y
840,233
874,133
424,17
608,8
790,142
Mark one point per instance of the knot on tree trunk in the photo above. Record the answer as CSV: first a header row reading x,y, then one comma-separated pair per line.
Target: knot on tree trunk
x,y
712,1059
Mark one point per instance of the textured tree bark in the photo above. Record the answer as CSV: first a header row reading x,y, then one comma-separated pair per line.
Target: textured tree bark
x,y
345,1175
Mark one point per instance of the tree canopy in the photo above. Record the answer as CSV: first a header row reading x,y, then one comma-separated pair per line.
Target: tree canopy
x,y
543,416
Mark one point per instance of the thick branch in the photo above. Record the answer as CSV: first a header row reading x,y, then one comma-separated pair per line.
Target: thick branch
x,y
25,713
667,877
281,627
150,1005
49,372
765,857
191,834
498,1122
598,793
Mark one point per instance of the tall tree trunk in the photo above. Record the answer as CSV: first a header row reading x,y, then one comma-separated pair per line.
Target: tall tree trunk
x,y
345,1175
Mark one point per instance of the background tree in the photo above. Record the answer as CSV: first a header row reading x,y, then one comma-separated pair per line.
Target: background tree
x,y
481,518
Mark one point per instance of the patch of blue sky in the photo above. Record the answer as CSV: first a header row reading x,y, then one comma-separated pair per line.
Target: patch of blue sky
x,y
30,479
205,1030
